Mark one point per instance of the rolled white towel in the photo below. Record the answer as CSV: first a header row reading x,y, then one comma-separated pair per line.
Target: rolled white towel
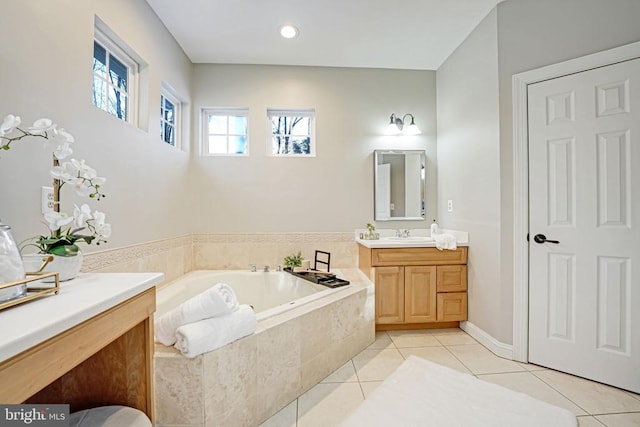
x,y
216,301
208,334
445,241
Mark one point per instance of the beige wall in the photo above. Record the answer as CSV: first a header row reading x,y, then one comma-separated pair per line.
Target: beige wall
x,y
330,192
45,58
529,35
532,35
469,163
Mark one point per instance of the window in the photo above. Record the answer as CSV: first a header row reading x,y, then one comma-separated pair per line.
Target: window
x,y
292,132
170,113
225,131
114,78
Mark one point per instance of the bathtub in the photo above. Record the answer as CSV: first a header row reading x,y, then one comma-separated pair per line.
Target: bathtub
x,y
269,293
305,331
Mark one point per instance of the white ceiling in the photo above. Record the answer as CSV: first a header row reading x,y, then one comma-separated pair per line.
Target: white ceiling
x,y
404,34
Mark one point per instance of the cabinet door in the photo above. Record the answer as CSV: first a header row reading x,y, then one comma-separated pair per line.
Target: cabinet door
x,y
420,294
452,306
389,283
452,278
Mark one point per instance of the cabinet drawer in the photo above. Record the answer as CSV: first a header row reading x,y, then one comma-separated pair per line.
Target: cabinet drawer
x,y
417,256
452,306
452,278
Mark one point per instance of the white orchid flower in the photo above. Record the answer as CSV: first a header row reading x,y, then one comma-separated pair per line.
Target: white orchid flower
x,y
62,151
83,170
102,229
57,220
99,217
9,123
82,187
99,180
81,215
61,135
63,173
40,126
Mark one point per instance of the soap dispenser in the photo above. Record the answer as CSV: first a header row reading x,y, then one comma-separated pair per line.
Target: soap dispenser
x,y
434,228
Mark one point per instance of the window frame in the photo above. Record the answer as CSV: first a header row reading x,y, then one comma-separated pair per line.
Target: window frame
x,y
292,112
133,71
168,94
204,134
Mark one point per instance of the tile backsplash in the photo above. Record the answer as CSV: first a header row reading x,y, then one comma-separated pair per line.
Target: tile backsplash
x,y
179,255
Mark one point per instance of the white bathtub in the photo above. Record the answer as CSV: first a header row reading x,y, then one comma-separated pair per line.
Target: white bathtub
x,y
269,293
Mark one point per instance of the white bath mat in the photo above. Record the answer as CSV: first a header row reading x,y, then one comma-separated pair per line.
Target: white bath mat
x,y
424,394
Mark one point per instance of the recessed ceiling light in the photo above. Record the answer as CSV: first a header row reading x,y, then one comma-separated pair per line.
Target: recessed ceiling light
x,y
288,31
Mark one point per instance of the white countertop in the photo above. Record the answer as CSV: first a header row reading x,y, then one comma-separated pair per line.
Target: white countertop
x,y
418,238
89,294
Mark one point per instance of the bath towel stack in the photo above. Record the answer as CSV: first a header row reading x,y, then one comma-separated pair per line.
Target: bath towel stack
x,y
206,322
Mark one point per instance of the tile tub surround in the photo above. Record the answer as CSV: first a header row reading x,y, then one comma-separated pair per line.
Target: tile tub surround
x,y
179,255
237,251
246,382
173,257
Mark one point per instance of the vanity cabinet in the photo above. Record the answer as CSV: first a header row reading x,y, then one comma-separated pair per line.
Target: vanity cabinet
x,y
417,287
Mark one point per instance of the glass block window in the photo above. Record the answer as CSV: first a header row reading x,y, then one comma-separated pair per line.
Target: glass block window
x,y
170,112
291,132
113,78
225,131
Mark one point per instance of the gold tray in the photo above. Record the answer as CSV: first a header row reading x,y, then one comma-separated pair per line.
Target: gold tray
x,y
33,292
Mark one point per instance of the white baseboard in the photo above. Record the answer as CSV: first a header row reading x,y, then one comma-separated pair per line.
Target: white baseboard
x,y
498,348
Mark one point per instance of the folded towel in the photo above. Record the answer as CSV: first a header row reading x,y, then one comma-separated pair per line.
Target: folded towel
x,y
445,241
216,301
208,334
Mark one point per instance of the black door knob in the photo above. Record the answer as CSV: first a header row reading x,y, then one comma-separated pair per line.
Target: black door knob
x,y
541,238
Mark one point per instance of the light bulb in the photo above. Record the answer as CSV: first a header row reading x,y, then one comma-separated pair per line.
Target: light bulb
x,y
412,129
392,129
288,31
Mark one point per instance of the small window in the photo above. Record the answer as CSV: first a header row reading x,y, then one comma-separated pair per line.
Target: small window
x,y
114,78
291,132
225,131
170,113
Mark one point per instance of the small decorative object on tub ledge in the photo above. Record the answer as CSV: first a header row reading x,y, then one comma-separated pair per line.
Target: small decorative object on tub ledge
x,y
64,230
293,260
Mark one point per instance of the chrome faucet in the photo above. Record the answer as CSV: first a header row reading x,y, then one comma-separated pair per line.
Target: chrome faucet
x,y
279,267
403,233
266,269
253,267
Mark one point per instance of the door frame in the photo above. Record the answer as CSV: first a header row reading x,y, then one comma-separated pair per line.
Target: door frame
x,y
521,176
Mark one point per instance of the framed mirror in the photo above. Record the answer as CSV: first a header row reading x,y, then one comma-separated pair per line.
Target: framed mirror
x,y
399,185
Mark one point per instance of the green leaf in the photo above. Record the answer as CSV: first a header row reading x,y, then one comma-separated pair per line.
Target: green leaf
x,y
66,250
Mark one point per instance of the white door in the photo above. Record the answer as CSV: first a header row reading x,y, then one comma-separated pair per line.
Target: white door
x,y
584,192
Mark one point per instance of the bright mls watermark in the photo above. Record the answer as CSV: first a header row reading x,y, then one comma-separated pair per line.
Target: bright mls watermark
x,y
34,415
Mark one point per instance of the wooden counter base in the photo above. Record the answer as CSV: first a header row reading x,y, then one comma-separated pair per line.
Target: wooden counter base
x,y
106,360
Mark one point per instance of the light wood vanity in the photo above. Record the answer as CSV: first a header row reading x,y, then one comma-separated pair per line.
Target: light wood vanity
x,y
91,345
417,287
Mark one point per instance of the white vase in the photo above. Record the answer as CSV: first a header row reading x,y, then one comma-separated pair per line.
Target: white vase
x,y
67,267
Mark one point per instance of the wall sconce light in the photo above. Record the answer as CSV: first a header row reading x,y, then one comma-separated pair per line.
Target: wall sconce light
x,y
396,126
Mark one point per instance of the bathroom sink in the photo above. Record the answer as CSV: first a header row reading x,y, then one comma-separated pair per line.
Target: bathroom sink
x,y
408,239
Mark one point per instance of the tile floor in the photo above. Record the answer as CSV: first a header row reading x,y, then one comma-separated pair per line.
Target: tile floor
x,y
327,403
